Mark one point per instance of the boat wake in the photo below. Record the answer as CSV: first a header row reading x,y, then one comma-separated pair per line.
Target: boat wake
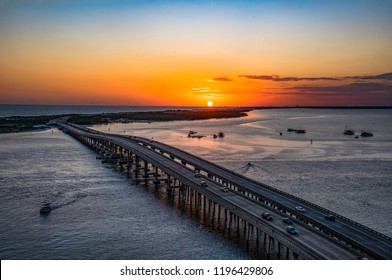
x,y
67,199
250,168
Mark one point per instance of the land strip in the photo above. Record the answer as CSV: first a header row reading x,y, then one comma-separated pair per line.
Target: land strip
x,y
28,123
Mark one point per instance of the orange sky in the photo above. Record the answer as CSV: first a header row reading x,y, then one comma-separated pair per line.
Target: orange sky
x,y
261,53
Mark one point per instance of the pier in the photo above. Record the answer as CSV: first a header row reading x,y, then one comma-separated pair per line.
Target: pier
x,y
237,210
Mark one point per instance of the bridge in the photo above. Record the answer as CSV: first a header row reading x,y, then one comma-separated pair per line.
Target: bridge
x,y
235,202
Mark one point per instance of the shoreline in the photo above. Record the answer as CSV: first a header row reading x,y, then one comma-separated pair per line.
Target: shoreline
x,y
16,124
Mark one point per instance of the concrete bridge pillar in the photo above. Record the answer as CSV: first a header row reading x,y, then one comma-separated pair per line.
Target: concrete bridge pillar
x,y
199,203
279,250
237,220
145,170
219,213
189,198
204,206
230,221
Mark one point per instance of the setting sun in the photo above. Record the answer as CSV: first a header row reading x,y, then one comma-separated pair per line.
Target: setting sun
x,y
136,53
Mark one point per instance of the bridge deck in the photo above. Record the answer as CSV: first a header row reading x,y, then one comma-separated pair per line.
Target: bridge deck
x,y
367,237
310,239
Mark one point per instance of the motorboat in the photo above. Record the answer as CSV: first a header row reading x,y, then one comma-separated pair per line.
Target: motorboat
x,y
299,131
348,132
45,209
366,134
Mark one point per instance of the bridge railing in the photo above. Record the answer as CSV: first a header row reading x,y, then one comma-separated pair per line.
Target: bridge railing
x,y
151,143
147,141
277,204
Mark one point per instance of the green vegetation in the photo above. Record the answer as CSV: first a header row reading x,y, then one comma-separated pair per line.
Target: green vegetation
x,y
170,115
19,124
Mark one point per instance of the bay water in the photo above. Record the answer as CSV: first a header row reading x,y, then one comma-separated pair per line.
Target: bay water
x,y
99,213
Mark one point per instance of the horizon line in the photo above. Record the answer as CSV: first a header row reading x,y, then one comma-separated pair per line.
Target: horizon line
x,y
202,106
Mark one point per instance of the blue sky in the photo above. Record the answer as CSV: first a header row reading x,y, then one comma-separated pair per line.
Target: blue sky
x,y
132,48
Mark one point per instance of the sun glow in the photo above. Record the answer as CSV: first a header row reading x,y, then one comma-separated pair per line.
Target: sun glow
x,y
209,103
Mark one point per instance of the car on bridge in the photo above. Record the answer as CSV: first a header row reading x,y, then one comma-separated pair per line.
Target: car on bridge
x,y
287,221
197,175
224,189
203,184
330,217
291,230
300,209
267,216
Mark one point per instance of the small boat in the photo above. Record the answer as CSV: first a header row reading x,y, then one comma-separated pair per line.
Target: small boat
x,y
348,132
196,136
45,209
299,131
366,134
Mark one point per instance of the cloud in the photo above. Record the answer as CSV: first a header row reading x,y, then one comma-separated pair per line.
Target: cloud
x,y
204,91
277,78
385,76
354,88
220,79
201,90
